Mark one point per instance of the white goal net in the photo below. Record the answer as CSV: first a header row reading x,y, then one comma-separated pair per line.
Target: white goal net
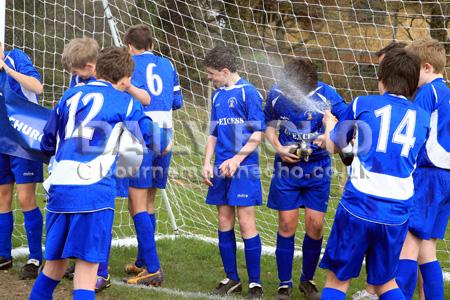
x,y
339,36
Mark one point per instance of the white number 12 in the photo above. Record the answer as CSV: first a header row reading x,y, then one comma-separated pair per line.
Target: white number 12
x,y
82,130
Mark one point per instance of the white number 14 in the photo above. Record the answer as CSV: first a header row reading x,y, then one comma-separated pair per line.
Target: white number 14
x,y
406,139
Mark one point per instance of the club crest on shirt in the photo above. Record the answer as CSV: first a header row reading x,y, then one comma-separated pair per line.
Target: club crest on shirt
x,y
232,102
309,115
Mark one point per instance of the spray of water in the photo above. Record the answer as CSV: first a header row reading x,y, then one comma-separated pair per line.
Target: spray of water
x,y
297,94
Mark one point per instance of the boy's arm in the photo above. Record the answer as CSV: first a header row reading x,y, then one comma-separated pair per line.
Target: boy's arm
x,y
177,96
139,94
272,120
230,166
138,123
49,138
329,122
339,134
283,151
208,170
28,82
338,105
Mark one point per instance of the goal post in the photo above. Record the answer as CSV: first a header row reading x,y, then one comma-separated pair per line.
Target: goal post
x,y
2,21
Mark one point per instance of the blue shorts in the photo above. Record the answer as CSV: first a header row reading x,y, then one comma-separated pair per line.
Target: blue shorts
x,y
306,184
153,173
243,189
79,235
122,186
351,239
430,207
19,170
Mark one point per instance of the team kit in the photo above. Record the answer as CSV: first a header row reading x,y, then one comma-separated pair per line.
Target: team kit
x,y
394,207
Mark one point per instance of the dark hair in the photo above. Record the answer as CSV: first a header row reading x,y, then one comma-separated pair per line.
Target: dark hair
x,y
139,36
302,73
113,64
399,72
392,45
221,57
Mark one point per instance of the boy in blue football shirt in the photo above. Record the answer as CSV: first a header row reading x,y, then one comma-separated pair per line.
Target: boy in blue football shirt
x,y
25,80
82,133
369,292
79,58
237,125
372,218
160,79
309,189
431,202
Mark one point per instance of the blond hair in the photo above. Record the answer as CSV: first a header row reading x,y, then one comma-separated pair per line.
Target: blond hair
x,y
79,52
430,51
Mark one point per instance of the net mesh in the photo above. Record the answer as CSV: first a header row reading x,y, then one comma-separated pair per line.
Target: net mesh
x,y
339,36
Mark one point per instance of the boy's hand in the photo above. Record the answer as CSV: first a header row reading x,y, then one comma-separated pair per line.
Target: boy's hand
x,y
320,141
127,84
329,120
3,65
167,149
207,173
230,166
286,155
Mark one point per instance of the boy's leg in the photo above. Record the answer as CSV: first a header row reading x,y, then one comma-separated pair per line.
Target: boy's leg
x,y
407,268
382,259
150,205
33,221
345,251
433,281
48,279
103,279
137,266
151,193
27,173
252,242
227,248
287,226
334,289
389,291
142,200
312,246
6,225
84,280
146,240
227,240
315,195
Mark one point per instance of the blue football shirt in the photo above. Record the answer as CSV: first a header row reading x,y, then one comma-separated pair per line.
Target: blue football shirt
x,y
158,76
236,113
17,60
83,133
390,133
77,80
298,123
434,98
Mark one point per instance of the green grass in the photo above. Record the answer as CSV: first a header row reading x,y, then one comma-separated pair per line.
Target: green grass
x,y
195,266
